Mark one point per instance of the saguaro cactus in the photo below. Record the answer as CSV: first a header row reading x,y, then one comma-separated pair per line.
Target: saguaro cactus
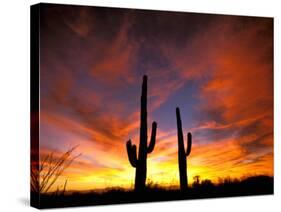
x,y
182,154
139,162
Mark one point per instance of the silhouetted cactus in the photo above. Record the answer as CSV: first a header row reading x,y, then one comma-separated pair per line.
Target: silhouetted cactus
x,y
182,154
140,162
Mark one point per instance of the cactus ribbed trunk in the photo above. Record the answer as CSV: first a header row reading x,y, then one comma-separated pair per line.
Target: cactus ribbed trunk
x,y
182,154
140,162
141,170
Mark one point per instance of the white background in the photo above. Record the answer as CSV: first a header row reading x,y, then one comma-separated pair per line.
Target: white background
x,y
14,103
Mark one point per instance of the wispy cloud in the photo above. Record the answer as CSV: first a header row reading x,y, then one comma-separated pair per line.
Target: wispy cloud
x,y
218,69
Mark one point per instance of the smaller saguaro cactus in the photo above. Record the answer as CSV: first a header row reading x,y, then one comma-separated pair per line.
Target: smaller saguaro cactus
x,y
139,161
182,153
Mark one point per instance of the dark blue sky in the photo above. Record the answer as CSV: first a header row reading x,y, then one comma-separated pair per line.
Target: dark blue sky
x,y
217,69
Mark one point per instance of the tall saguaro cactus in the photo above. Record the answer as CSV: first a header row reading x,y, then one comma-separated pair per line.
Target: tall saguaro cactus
x,y
182,153
139,162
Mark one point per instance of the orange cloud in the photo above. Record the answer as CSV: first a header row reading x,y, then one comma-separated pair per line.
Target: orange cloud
x,y
80,24
117,62
230,61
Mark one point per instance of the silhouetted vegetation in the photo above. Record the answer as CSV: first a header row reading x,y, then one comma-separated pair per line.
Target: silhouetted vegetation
x,y
50,169
255,185
182,154
139,161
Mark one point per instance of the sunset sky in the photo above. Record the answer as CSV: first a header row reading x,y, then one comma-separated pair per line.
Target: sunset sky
x,y
217,69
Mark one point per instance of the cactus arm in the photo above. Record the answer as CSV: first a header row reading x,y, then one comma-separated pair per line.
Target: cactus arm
x,y
189,143
153,138
139,160
132,153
